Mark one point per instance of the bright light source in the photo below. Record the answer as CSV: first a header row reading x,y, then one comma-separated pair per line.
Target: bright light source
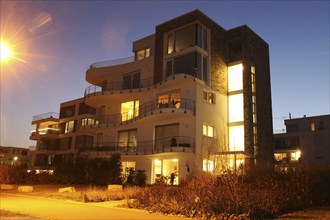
x,y
175,160
5,52
157,162
15,158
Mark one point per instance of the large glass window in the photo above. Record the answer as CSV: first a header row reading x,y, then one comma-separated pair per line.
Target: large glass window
x,y
69,127
190,36
168,168
129,110
169,100
236,138
185,38
193,64
131,81
127,140
236,110
164,134
235,77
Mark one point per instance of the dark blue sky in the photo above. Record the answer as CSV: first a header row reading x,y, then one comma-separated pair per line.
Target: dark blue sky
x,y
55,42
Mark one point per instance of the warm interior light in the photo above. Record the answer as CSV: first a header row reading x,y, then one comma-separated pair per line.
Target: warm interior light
x,y
236,138
235,77
157,162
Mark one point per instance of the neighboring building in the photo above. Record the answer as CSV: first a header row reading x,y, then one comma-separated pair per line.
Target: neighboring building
x,y
195,96
57,136
14,156
306,141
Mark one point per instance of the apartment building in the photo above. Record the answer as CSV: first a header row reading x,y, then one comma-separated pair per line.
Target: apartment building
x,y
193,97
57,136
14,156
306,142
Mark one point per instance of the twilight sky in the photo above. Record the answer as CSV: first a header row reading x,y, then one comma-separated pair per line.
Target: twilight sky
x,y
56,41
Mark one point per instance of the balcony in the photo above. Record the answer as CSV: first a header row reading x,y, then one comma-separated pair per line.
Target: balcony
x,y
53,116
157,106
117,86
162,145
45,133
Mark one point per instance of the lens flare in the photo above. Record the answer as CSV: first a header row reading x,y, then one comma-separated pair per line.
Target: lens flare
x,y
5,52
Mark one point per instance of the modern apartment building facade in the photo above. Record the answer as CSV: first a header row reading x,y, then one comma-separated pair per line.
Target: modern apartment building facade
x,y
194,97
306,142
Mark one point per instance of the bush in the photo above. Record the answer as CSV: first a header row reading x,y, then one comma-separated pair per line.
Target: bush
x,y
136,178
94,194
262,194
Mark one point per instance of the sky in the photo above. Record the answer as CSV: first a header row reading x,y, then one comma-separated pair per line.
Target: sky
x,y
54,42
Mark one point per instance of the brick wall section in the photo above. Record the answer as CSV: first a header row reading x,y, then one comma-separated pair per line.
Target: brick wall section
x,y
254,51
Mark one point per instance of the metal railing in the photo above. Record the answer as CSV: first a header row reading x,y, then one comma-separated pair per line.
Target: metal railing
x,y
45,115
146,109
112,62
112,86
160,145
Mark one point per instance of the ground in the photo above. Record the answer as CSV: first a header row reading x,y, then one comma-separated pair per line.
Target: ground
x,y
51,191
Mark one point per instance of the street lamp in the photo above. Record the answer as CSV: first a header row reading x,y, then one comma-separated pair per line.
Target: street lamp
x,y
14,160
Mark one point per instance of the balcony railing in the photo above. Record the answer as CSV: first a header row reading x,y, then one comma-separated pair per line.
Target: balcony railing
x,y
45,115
149,108
165,144
112,86
112,62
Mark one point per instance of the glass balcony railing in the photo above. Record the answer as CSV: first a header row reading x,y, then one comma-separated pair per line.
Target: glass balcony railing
x,y
162,144
112,62
45,115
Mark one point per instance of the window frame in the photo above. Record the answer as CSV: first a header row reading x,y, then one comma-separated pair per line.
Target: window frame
x,y
207,99
206,128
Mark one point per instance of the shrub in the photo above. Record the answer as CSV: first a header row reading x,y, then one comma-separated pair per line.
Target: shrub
x,y
136,178
262,194
94,194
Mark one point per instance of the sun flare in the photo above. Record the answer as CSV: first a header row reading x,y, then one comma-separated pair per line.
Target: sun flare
x,y
5,52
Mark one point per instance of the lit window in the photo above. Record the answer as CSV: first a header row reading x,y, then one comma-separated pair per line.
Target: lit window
x,y
127,166
208,130
69,127
209,97
208,165
88,121
167,168
235,77
295,156
169,100
280,156
142,54
236,138
129,110
236,110
312,126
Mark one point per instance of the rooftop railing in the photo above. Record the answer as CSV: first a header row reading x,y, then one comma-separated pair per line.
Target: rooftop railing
x,y
164,144
112,62
147,109
45,115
